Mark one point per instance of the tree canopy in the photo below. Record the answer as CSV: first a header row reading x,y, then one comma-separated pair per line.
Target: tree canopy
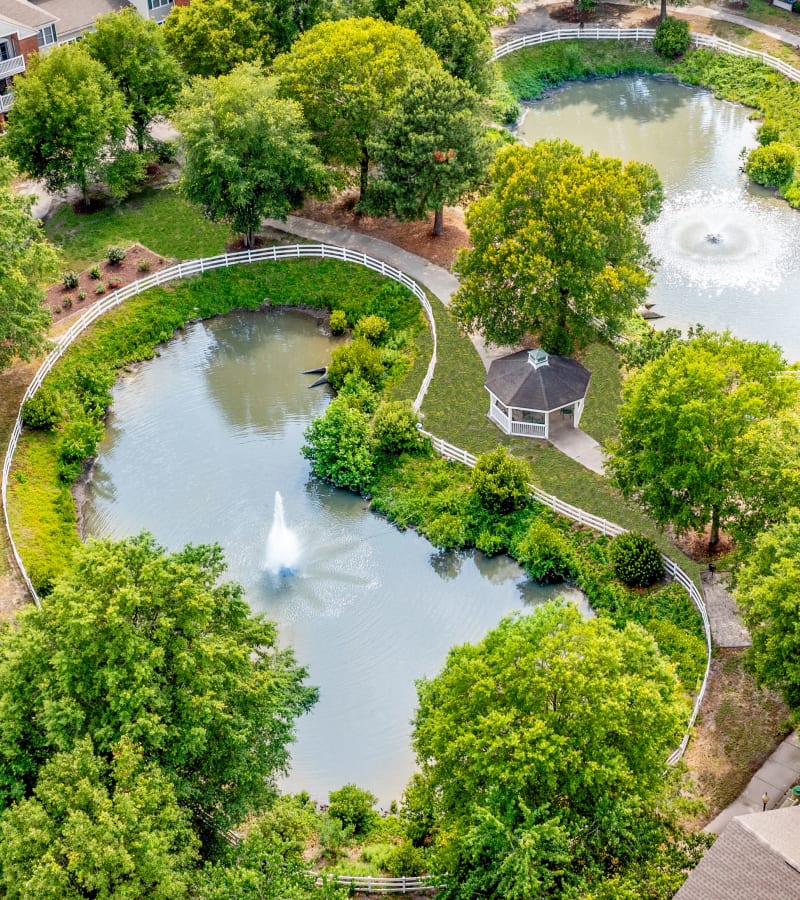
x,y
138,643
67,125
557,246
691,428
541,746
212,37
26,261
132,49
248,153
348,76
768,593
433,149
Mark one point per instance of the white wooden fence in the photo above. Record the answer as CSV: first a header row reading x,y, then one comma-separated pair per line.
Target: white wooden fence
x,y
705,41
374,885
186,270
596,523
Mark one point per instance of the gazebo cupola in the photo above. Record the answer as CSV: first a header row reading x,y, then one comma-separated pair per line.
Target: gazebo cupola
x,y
526,387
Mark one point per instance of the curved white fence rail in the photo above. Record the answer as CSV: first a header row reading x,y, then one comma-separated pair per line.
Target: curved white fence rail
x,y
705,41
374,885
186,270
448,451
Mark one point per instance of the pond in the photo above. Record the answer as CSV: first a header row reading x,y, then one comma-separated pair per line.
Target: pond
x,y
197,444
729,251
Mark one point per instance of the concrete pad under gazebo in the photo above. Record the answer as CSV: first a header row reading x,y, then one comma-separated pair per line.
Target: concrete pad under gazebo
x,y
526,387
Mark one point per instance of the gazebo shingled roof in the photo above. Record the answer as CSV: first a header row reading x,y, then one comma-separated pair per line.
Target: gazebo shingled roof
x,y
515,382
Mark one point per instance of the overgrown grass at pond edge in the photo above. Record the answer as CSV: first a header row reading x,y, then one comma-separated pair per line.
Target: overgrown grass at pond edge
x,y
40,505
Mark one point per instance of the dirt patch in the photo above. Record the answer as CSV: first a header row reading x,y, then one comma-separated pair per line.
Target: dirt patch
x,y
695,545
415,237
739,726
138,263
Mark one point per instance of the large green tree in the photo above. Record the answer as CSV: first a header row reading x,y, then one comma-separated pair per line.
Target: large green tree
x,y
212,37
68,123
95,828
557,246
768,594
135,642
133,50
453,30
26,261
248,154
691,426
349,76
433,150
542,747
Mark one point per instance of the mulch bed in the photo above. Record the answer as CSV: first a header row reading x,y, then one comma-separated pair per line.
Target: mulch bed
x,y
138,263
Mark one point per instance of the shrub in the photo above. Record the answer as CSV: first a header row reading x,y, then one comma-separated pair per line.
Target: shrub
x,y
67,302
114,283
100,289
359,394
69,280
672,38
353,807
394,428
333,837
406,860
92,386
94,272
636,560
768,133
339,447
143,266
43,410
556,340
546,554
81,295
373,328
338,321
164,151
771,165
500,481
447,531
77,442
358,357
115,255
792,193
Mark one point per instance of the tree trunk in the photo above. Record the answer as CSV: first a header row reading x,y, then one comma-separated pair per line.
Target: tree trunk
x,y
438,222
248,238
714,538
663,11
363,175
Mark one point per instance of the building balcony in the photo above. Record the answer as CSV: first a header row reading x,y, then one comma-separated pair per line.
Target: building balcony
x,y
6,101
12,66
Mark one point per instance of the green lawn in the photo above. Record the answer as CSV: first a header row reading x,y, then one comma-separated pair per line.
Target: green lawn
x,y
157,218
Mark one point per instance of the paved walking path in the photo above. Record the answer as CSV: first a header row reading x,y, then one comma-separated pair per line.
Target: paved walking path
x,y
571,442
727,627
778,774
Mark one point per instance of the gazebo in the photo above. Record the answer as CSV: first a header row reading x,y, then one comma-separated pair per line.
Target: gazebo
x,y
525,388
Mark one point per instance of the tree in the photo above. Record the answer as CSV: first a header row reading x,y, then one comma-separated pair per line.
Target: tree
x,y
140,643
544,745
354,807
557,246
500,481
26,261
97,829
287,19
133,51
433,150
349,76
687,432
338,446
212,37
67,125
248,153
768,594
455,33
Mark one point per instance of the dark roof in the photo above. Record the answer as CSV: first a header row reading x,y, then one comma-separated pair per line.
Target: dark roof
x,y
757,856
515,382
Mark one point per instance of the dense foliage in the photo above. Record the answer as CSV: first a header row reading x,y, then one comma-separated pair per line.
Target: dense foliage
x,y
354,808
636,559
557,246
672,38
500,481
771,164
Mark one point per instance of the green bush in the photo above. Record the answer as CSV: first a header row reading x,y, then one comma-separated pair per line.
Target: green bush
x,y
339,447
556,340
333,837
338,321
771,165
43,410
636,560
447,531
407,861
69,280
767,133
358,357
81,295
92,384
546,553
115,255
353,807
672,38
359,394
500,481
394,428
144,266
76,442
100,289
94,272
373,328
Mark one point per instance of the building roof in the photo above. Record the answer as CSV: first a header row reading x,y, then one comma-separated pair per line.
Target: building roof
x,y
75,16
25,13
557,383
757,856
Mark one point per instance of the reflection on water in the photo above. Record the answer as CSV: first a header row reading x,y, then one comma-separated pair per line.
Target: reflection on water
x,y
199,440
748,278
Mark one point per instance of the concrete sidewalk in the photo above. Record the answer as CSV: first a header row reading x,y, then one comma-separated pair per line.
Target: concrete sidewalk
x,y
775,778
